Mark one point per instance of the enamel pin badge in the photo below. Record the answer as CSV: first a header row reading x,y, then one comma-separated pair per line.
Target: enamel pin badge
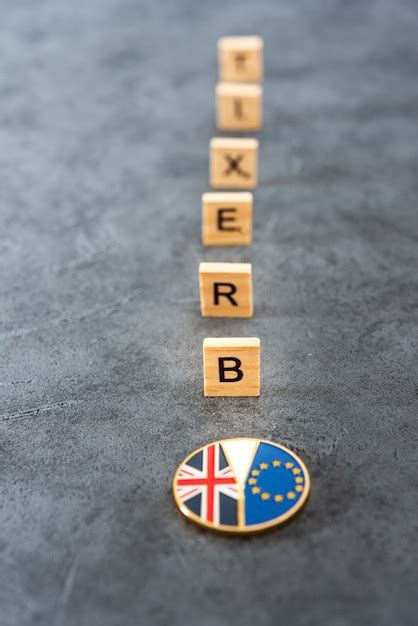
x,y
241,485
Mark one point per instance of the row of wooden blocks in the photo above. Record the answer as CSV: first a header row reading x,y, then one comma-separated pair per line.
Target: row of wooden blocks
x,y
231,366
239,95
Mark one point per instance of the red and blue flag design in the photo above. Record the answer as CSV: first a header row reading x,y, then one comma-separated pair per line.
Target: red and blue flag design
x,y
241,485
207,486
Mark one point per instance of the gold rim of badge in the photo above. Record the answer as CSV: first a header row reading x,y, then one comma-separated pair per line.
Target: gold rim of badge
x,y
241,485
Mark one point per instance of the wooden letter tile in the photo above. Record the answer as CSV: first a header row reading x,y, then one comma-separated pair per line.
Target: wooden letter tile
x,y
227,218
226,289
238,106
233,163
231,366
240,59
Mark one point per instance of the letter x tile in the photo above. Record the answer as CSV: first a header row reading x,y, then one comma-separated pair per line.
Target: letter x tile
x,y
233,163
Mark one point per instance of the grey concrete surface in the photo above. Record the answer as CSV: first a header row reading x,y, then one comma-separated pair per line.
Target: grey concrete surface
x,y
106,110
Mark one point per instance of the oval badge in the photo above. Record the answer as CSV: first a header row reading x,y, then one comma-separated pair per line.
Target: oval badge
x,y
241,485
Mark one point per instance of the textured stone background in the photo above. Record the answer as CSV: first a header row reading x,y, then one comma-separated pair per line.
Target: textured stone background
x,y
106,110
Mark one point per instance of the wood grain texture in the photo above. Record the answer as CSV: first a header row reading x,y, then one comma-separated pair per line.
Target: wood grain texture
x,y
233,163
240,58
227,218
242,356
239,106
226,289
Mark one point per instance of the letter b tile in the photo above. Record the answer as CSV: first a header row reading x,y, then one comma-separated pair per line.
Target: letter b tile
x,y
231,366
226,290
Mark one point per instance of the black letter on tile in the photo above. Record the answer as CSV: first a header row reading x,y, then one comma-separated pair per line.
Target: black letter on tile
x,y
234,368
238,112
228,294
221,219
240,59
234,165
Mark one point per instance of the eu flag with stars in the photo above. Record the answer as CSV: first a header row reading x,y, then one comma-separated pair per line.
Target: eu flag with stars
x,y
274,485
241,485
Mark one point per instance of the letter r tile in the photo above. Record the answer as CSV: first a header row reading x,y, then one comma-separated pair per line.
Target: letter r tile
x,y
231,366
226,290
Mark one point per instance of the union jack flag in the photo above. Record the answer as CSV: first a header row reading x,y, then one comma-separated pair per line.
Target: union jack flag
x,y
206,485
